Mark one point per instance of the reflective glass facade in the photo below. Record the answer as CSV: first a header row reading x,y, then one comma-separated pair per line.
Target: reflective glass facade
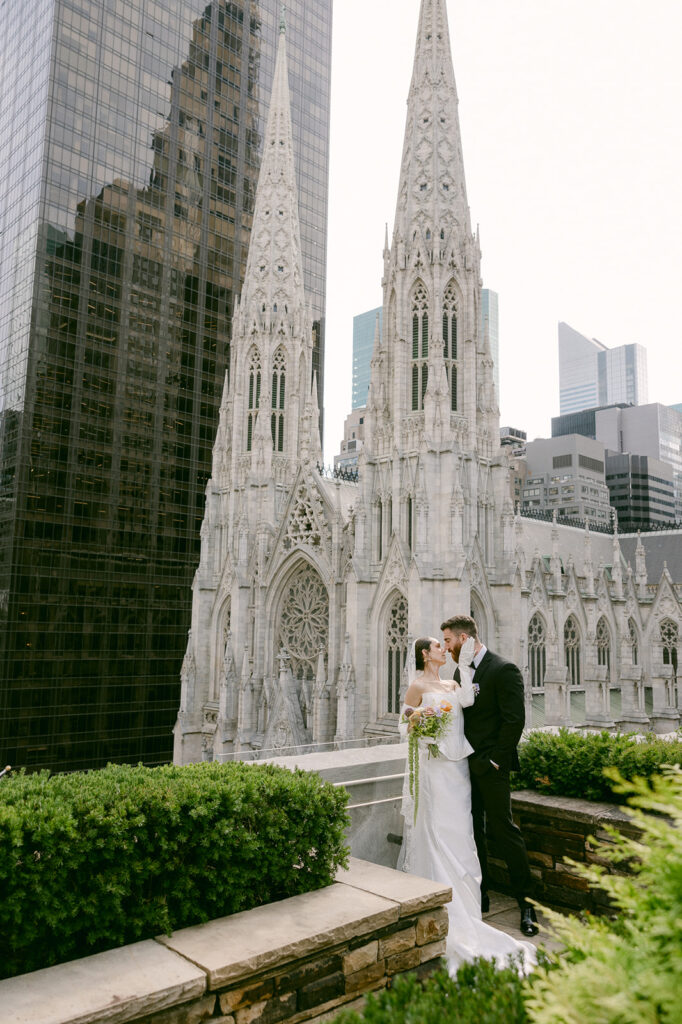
x,y
364,329
130,137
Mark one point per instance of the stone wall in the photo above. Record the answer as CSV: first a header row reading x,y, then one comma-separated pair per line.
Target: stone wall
x,y
296,960
555,827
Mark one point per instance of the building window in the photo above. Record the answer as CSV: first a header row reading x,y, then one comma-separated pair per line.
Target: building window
x,y
572,651
537,652
410,519
396,651
420,347
604,647
254,397
634,642
670,641
450,342
278,388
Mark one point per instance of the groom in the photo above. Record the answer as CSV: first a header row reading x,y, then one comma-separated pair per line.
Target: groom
x,y
493,726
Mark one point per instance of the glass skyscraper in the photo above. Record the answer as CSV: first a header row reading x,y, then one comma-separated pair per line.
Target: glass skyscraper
x,y
590,374
130,141
364,329
490,322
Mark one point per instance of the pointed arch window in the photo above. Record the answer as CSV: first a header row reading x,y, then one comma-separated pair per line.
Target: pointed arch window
x,y
670,640
396,646
420,347
253,397
572,651
450,342
537,651
277,399
634,642
604,646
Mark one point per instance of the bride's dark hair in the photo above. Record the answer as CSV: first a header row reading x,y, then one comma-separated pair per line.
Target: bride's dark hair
x,y
421,645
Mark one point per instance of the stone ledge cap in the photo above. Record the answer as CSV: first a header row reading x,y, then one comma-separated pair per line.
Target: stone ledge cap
x,y
412,893
260,939
588,812
118,985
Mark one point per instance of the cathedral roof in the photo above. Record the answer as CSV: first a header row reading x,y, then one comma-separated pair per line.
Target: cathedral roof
x,y
660,548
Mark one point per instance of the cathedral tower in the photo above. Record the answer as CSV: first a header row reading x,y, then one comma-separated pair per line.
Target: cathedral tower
x,y
432,485
268,428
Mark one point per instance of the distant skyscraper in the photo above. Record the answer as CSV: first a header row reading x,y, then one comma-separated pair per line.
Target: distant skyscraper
x,y
364,327
490,313
590,374
130,145
652,430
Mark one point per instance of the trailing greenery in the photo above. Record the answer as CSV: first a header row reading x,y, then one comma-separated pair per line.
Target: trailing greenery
x,y
626,969
94,860
573,764
480,993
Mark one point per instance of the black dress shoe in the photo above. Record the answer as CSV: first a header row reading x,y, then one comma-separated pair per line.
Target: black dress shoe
x,y
485,903
529,922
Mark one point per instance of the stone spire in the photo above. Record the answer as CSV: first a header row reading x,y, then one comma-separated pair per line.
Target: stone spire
x,y
432,191
274,267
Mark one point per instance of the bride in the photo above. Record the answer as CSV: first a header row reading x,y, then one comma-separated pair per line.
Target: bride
x,y
438,841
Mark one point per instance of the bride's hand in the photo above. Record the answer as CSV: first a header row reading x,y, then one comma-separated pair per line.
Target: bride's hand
x,y
466,654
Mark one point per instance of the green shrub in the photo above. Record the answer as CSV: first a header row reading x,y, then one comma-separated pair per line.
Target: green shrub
x,y
480,993
626,969
572,764
94,860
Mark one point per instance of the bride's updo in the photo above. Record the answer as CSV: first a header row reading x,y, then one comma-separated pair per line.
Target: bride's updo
x,y
420,646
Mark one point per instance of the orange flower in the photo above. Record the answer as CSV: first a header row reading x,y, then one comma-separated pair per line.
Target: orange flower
x,y
445,706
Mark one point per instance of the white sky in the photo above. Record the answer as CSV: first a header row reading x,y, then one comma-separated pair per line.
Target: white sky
x,y
571,122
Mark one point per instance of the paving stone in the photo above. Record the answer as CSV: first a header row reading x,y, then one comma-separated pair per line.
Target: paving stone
x,y
257,940
305,974
432,926
398,942
246,994
434,949
270,1012
190,1013
119,985
359,958
403,961
319,992
365,978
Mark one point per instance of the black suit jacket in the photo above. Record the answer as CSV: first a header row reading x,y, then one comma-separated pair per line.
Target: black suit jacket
x,y
494,722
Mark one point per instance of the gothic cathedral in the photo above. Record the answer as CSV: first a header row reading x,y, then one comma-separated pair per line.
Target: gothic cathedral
x,y
309,588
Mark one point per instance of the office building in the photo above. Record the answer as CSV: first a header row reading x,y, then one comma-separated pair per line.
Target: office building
x,y
490,322
353,437
567,475
641,490
582,422
130,145
653,430
364,333
590,374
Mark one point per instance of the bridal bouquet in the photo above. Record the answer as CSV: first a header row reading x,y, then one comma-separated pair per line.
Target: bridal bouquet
x,y
424,727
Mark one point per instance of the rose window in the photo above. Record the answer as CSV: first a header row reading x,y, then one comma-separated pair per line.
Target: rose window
x,y
304,621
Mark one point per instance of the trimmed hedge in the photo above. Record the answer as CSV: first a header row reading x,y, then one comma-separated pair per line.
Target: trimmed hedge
x,y
572,763
99,859
480,993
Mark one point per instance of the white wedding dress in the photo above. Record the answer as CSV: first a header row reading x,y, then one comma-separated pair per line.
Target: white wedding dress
x,y
440,845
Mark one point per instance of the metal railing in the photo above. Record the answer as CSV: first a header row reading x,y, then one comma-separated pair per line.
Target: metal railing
x,y
347,473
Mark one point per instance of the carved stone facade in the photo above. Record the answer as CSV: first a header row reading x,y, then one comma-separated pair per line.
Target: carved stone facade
x,y
310,590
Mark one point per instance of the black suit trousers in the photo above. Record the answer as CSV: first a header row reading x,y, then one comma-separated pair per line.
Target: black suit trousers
x,y
492,816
